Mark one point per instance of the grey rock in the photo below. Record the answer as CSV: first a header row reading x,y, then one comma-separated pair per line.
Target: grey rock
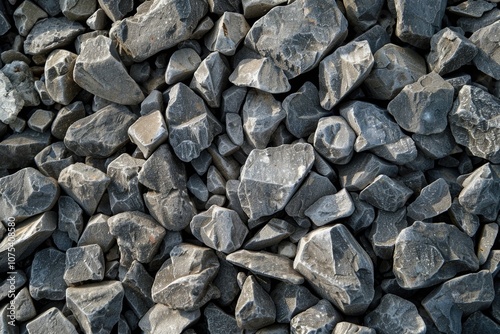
x,y
205,25
219,7
461,295
343,71
362,14
85,184
287,249
234,128
261,74
394,68
173,210
18,278
70,217
471,8
274,329
219,322
233,199
480,323
232,99
162,319
140,72
350,328
376,37
19,149
85,263
40,120
198,188
473,24
330,208
181,65
225,146
261,115
18,126
210,78
65,117
216,184
59,76
51,320
202,163
26,15
98,20
486,241
137,285
185,107
286,167
77,10
153,102
228,32
116,10
385,229
21,77
426,254
429,114
433,200
487,59
228,166
386,193
53,159
52,33
271,234
320,318
219,200
255,308
47,270
464,220
96,306
171,239
291,299
226,281
62,240
267,265
99,70
184,281
362,216
435,146
275,35
97,232
11,103
395,315
24,307
4,23
492,263
337,268
334,140
8,56
258,8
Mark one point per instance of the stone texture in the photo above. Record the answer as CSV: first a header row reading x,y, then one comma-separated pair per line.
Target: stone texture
x,y
261,74
59,69
386,193
350,328
137,285
486,241
24,307
181,65
96,232
255,308
320,318
65,117
487,59
436,146
161,319
471,8
480,323
21,77
85,263
77,10
219,322
116,10
258,8
51,320
11,103
384,230
53,159
290,300
19,149
271,234
334,140
329,208
433,200
362,216
229,30
52,33
26,15
40,120
464,220
47,270
70,217
210,78
362,14
173,210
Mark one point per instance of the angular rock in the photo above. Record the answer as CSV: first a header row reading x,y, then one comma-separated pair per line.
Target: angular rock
x,y
261,74
137,285
334,140
26,15
362,14
21,77
225,146
480,323
210,78
59,76
464,220
232,99
343,71
53,159
85,263
350,328
70,217
258,8
65,117
384,231
51,320
97,232
271,234
47,270
433,200
227,166
228,32
173,210
471,8
116,10
198,188
287,36
181,65
19,149
255,308
330,208
98,20
40,120
161,319
435,146
362,216
291,299
216,183
153,102
487,59
426,254
24,307
219,322
386,193
486,241
337,268
78,10
11,103
320,318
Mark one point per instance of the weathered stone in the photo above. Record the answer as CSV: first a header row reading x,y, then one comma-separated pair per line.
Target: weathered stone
x,y
362,216
228,32
291,299
47,270
337,268
96,306
116,10
395,315
40,120
436,146
286,36
376,37
232,99
70,217
330,208
19,149
464,220
137,285
218,200
258,8
487,59
210,78
85,184
24,307
320,318
198,188
77,10
226,281
85,263
98,20
343,71
181,65
433,200
11,103
51,320
480,323
26,15
59,76
18,126
216,184
286,166
486,241
384,231
8,56
261,74
271,234
219,322
225,146
162,319
173,210
471,8
227,166
334,140
21,77
255,308
53,159
350,328
386,193
99,70
97,232
362,14
426,254
65,117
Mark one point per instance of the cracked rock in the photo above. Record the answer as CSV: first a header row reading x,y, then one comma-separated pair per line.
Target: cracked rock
x,y
334,140
11,103
384,231
487,59
85,263
261,74
386,193
255,308
26,15
70,217
271,234
21,77
320,318
329,208
59,82
433,200
161,319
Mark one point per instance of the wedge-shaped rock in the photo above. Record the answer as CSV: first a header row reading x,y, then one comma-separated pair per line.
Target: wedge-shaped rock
x,y
184,281
258,8
435,146
51,320
46,279
96,306
343,71
210,78
270,177
386,193
255,308
266,264
473,122
59,76
192,127
50,34
65,117
70,217
228,32
433,200
26,15
78,10
173,210
426,254
21,77
291,299
19,149
297,36
97,232
487,59
362,216
116,10
385,230
137,284
362,14
337,267
471,8
162,319
334,140
329,208
181,65
319,318
11,103
85,263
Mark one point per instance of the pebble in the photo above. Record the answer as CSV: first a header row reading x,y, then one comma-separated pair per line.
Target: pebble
x,y
40,120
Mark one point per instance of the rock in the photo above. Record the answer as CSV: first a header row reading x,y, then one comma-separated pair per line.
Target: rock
x,y
386,193
40,120
184,281
227,166
487,59
350,328
11,103
216,184
261,74
96,232
198,188
394,68
337,268
330,208
226,281
8,56
461,295
153,102
471,8
334,140
4,23
186,108
181,65
78,10
258,8
433,200
271,234
85,263
225,146
479,323
19,149
137,285
320,318
362,216
66,117
116,10
210,78
376,37
173,210
70,217
486,241
395,315
47,270
161,319
51,320
99,70
435,146
385,229
52,33
24,308
286,167
267,265
464,220
219,7
362,14
157,18
59,69
53,159
21,77
96,306
255,308
232,100
276,34
26,15
219,322
228,32
101,134
343,71
85,184
421,106
426,254
290,300
98,20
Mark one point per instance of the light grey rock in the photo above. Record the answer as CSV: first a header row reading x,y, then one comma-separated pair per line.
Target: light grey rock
x,y
84,263
210,78
426,254
40,120
286,167
384,231
334,140
70,217
227,166
486,241
173,210
492,263
255,308
59,76
216,184
291,299
53,159
85,184
96,306
350,328
97,232
286,36
257,8
376,37
162,319
386,193
21,77
19,149
471,8
65,117
77,10
218,200
206,24
329,208
228,32
99,70
11,103
148,132
137,285
98,20
433,200
435,146
395,315
337,268
261,74
362,14
26,15
271,234
181,65
116,10
47,270
320,318
343,71
51,320
487,59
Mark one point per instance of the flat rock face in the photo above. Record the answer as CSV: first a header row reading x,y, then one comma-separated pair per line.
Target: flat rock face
x,y
321,317
11,103
255,308
175,20
19,149
261,74
334,140
47,270
286,166
51,320
21,77
274,34
337,267
386,194
162,319
487,59
433,200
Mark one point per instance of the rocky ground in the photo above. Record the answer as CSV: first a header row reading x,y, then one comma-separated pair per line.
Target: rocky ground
x,y
249,166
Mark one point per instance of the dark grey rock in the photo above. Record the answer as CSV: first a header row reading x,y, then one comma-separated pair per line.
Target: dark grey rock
x,y
320,318
210,78
181,65
116,10
84,263
255,308
205,25
233,199
486,241
226,281
334,140
225,145
487,59
137,234
472,24
234,128
232,99
362,14
433,200
8,56
96,306
198,188
219,322
62,240
78,10
46,279
386,193
219,7
337,268
362,216
329,208
286,167
19,149
261,74
70,217
65,117
276,34
271,234
18,278
228,166
258,8
471,8
202,163
426,254
216,184
464,220
171,239
480,323
162,319
436,146
153,102
59,76
184,281
24,307
395,315
51,320
26,15
376,36
140,72
98,20
97,232
21,77
229,30
173,210
350,328
422,107
18,126
11,103
40,120
137,285
384,231
291,299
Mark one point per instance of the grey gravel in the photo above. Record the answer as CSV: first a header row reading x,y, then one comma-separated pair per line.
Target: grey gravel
x,y
386,193
329,208
433,200
70,217
334,140
173,210
261,74
229,30
487,59
291,299
181,65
